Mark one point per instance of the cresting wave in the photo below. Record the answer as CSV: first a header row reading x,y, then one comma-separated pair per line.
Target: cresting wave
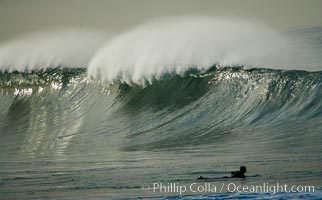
x,y
170,45
175,45
164,102
187,90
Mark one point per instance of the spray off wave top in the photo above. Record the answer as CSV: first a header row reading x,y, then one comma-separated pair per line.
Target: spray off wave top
x,y
170,45
174,45
70,48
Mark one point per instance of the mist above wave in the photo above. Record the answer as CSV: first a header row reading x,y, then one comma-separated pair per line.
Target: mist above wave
x,y
40,50
175,44
169,45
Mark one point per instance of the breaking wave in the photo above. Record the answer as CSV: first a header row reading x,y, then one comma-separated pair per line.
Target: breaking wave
x,y
170,45
175,45
160,103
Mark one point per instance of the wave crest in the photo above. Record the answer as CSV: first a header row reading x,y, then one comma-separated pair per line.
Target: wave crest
x,y
175,45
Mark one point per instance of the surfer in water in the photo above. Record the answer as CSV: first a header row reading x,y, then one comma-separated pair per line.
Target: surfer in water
x,y
240,173
234,174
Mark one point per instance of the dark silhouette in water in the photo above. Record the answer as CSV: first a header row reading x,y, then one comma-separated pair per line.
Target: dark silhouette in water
x,y
240,173
201,177
234,174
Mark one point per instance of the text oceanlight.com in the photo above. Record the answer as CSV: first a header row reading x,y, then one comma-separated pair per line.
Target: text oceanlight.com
x,y
224,187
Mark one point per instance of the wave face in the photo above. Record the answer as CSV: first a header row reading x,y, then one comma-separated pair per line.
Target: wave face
x,y
197,106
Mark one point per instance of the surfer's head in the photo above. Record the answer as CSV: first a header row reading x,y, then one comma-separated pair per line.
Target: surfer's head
x,y
243,169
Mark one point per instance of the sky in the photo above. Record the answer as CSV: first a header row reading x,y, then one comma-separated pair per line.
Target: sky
x,y
18,17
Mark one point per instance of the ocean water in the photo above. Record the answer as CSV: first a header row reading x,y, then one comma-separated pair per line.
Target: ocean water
x,y
113,132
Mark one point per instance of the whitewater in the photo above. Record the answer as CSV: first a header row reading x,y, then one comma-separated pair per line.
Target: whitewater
x,y
97,115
